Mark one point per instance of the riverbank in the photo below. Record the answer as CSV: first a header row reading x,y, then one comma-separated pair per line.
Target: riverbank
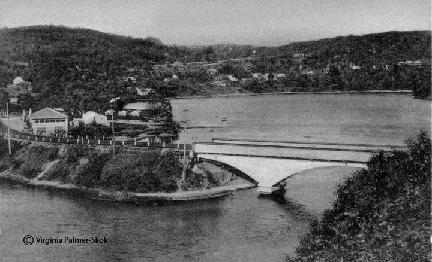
x,y
150,176
298,93
122,196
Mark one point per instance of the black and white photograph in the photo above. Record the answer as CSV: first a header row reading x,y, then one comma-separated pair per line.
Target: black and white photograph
x,y
215,130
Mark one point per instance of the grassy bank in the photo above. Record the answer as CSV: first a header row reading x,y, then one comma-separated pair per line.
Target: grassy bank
x,y
78,167
381,213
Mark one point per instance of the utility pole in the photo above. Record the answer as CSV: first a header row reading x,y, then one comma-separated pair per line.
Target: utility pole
x,y
184,150
184,155
9,141
112,128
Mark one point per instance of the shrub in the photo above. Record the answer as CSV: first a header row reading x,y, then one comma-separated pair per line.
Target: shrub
x,y
30,172
381,213
30,160
90,174
74,153
147,171
59,172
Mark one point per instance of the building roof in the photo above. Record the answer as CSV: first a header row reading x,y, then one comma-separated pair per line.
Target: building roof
x,y
47,113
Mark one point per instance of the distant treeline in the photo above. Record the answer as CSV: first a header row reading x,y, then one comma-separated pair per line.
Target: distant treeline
x,y
82,69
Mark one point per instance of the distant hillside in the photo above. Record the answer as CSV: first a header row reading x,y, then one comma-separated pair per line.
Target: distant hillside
x,y
76,68
388,47
82,69
379,48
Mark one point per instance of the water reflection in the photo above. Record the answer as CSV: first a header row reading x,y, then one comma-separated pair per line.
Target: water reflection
x,y
240,227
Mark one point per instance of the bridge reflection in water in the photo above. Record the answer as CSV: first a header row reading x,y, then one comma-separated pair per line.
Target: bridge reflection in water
x,y
269,163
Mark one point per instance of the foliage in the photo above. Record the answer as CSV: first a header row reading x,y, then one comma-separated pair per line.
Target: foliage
x,y
31,159
144,172
381,213
90,173
77,69
91,130
59,172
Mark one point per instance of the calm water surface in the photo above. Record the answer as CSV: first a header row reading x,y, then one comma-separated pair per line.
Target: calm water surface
x,y
241,227
380,119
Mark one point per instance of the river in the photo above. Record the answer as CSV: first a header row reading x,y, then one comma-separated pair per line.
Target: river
x,y
343,118
240,227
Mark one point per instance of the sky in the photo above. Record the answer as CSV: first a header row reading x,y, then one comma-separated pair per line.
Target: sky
x,y
202,22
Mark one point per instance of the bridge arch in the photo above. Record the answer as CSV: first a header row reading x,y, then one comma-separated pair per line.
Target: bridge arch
x,y
269,172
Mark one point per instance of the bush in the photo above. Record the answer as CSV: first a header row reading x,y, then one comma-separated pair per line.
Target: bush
x,y
59,172
89,175
74,153
30,160
381,213
144,172
30,172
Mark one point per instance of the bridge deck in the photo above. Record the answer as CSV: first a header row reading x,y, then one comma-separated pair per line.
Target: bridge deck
x,y
319,153
373,147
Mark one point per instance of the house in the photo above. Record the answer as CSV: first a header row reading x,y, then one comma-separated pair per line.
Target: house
x,y
13,100
298,57
219,83
18,80
19,87
109,112
245,80
310,73
93,117
122,113
219,77
177,64
144,91
47,121
257,75
142,105
113,100
130,79
232,78
212,71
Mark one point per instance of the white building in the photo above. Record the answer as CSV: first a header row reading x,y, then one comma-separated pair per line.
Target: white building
x,y
144,91
93,117
47,121
232,78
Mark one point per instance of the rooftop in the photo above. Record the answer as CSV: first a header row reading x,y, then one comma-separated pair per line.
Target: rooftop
x,y
47,113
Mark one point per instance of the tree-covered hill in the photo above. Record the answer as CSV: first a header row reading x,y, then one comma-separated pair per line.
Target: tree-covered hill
x,y
82,69
378,48
354,62
78,69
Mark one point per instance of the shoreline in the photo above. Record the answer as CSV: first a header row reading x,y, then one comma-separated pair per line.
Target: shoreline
x,y
297,93
122,196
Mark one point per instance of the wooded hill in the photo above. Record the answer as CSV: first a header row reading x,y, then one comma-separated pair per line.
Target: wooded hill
x,y
379,48
78,69
82,69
